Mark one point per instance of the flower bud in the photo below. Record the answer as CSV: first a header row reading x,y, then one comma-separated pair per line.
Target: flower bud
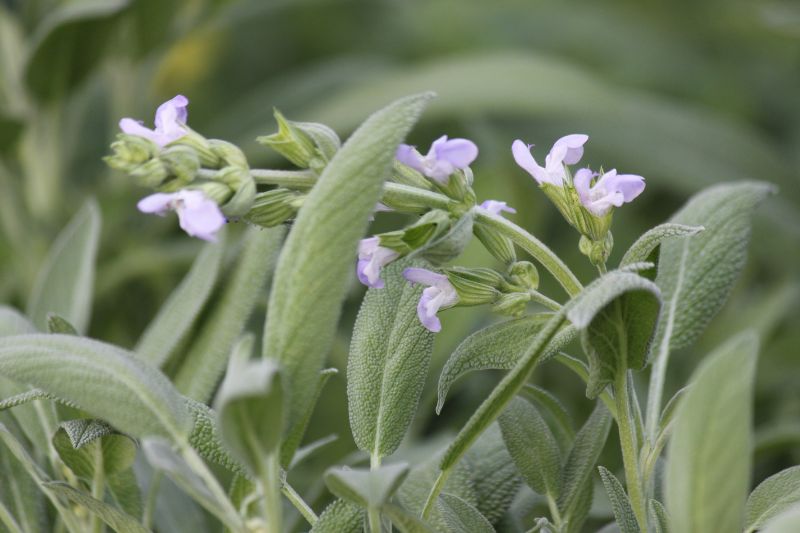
x,y
182,162
597,251
291,142
213,190
475,286
274,207
498,245
523,274
202,147
228,153
408,176
152,174
131,151
325,141
512,304
241,183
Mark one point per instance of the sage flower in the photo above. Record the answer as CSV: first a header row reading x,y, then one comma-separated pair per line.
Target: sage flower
x,y
439,294
170,121
610,189
496,207
444,157
568,150
371,258
198,215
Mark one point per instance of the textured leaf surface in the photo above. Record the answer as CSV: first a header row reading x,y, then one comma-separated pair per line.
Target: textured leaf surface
x,y
64,285
340,517
620,504
388,363
84,444
709,455
498,346
101,379
405,521
116,519
294,437
319,255
646,247
657,515
462,517
18,492
178,313
786,522
772,496
367,488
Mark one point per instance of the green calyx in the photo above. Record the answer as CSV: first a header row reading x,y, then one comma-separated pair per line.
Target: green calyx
x,y
305,144
274,207
475,286
568,203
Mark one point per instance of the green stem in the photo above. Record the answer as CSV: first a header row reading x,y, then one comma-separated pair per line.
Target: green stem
x,y
230,517
415,195
299,504
271,486
284,178
627,438
540,298
98,486
554,513
438,485
374,520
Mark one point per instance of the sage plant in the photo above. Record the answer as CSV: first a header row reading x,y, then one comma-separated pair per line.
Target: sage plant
x,y
98,435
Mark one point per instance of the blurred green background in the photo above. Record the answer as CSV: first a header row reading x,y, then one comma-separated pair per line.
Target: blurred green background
x,y
686,93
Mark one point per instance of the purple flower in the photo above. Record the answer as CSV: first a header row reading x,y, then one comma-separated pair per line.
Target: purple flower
x,y
444,157
567,150
371,258
170,121
198,215
611,189
439,294
496,207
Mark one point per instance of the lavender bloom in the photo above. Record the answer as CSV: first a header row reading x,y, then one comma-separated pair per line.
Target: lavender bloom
x,y
371,258
567,150
611,189
439,294
496,207
198,215
170,120
444,157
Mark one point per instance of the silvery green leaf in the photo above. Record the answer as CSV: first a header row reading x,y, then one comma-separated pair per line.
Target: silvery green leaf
x,y
492,475
208,356
712,441
176,316
319,255
553,410
617,316
20,494
461,517
388,363
205,436
576,477
532,447
668,414
295,435
340,517
57,324
85,444
65,282
250,404
786,522
116,519
82,431
657,516
12,322
308,450
498,346
103,380
696,275
620,503
405,521
366,488
124,488
646,247
450,245
771,497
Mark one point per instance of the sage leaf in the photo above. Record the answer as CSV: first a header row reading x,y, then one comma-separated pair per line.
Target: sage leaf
x,y
116,519
617,316
576,478
532,446
620,503
646,247
405,521
657,516
64,285
308,450
786,522
461,517
295,435
12,322
388,363
250,404
499,346
208,356
317,260
554,411
84,445
709,455
176,316
206,439
19,494
771,497
340,517
366,488
103,380
57,324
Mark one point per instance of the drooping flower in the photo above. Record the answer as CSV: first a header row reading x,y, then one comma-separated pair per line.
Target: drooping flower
x,y
610,189
371,258
170,121
568,150
496,207
198,215
439,294
444,157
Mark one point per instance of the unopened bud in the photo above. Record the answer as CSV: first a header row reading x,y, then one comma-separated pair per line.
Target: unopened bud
x,y
182,162
130,151
291,142
241,183
202,147
274,207
498,245
408,176
451,244
229,153
325,141
152,174
475,286
512,304
597,251
523,274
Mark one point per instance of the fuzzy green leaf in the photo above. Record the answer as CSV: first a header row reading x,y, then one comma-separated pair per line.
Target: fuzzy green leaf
x,y
620,503
532,447
646,247
18,492
116,519
774,495
708,469
554,411
318,257
366,488
388,363
57,324
294,437
461,517
64,285
84,444
179,312
340,517
786,522
103,380
499,346
406,522
657,516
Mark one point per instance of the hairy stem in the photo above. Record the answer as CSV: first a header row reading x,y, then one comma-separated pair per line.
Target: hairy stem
x,y
630,453
269,477
438,485
98,486
299,504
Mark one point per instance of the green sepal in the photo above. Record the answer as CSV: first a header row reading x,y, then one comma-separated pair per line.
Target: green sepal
x,y
475,286
291,142
498,245
274,207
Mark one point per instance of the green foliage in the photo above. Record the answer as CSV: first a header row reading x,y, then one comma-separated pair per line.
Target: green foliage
x,y
773,496
340,517
366,488
388,363
119,521
620,503
461,517
709,455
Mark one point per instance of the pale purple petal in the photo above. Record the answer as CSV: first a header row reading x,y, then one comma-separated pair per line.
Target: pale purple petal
x,y
458,152
443,158
158,203
371,259
423,276
629,185
134,127
524,158
409,156
427,309
172,112
170,120
198,215
582,182
363,277
367,247
496,207
574,144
